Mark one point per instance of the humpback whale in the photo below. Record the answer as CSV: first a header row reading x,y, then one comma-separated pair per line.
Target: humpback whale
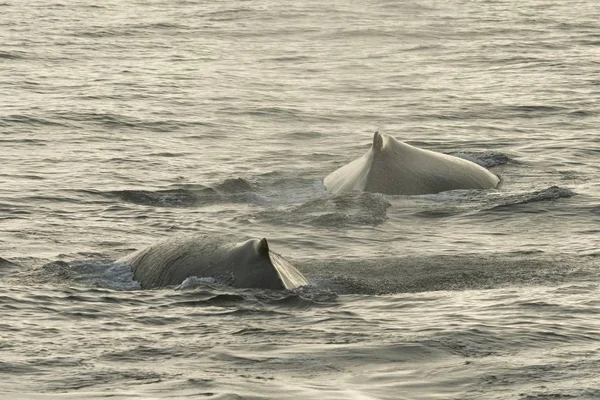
x,y
250,264
397,168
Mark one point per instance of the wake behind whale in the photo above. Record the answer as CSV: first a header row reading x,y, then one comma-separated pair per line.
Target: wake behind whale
x,y
396,168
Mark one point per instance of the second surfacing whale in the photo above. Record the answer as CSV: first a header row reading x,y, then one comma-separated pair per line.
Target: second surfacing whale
x,y
396,168
250,264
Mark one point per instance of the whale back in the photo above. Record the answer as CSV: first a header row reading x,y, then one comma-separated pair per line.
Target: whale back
x,y
244,265
394,167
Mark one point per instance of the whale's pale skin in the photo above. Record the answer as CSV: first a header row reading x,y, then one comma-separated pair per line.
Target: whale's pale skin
x,y
246,265
394,167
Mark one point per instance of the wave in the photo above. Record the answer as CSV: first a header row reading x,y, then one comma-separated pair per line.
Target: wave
x,y
130,30
486,159
114,120
6,266
230,190
456,202
17,119
11,55
412,274
347,209
547,194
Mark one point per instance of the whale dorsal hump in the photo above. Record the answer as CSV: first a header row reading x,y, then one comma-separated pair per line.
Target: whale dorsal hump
x,y
377,141
262,248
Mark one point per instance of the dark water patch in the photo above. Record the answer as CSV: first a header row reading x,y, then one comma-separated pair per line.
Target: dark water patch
x,y
465,346
17,119
80,379
423,47
435,213
544,396
290,59
275,112
14,301
252,312
11,55
17,368
250,331
589,42
294,302
533,111
465,202
214,300
303,298
81,315
231,14
545,378
490,112
145,353
130,30
55,199
231,186
7,266
22,176
583,113
282,114
159,26
156,320
169,197
333,212
120,121
351,34
100,32
168,154
548,194
486,159
231,190
435,273
225,300
58,362
31,142
490,339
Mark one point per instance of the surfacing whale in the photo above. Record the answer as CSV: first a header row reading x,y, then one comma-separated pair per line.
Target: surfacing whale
x,y
245,265
394,167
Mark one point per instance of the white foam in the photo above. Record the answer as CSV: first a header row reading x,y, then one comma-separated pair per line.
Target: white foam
x,y
194,281
120,277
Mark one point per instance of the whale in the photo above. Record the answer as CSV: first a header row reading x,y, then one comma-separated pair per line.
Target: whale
x,y
249,264
396,168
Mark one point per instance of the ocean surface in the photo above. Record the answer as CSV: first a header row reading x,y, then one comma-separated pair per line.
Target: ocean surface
x,y
123,123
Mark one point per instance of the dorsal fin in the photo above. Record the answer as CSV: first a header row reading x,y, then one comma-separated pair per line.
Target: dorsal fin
x,y
377,141
262,248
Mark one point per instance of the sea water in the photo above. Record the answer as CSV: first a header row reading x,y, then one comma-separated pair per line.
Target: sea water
x,y
124,123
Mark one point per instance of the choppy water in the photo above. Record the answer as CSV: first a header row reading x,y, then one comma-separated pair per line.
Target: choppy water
x,y
122,123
